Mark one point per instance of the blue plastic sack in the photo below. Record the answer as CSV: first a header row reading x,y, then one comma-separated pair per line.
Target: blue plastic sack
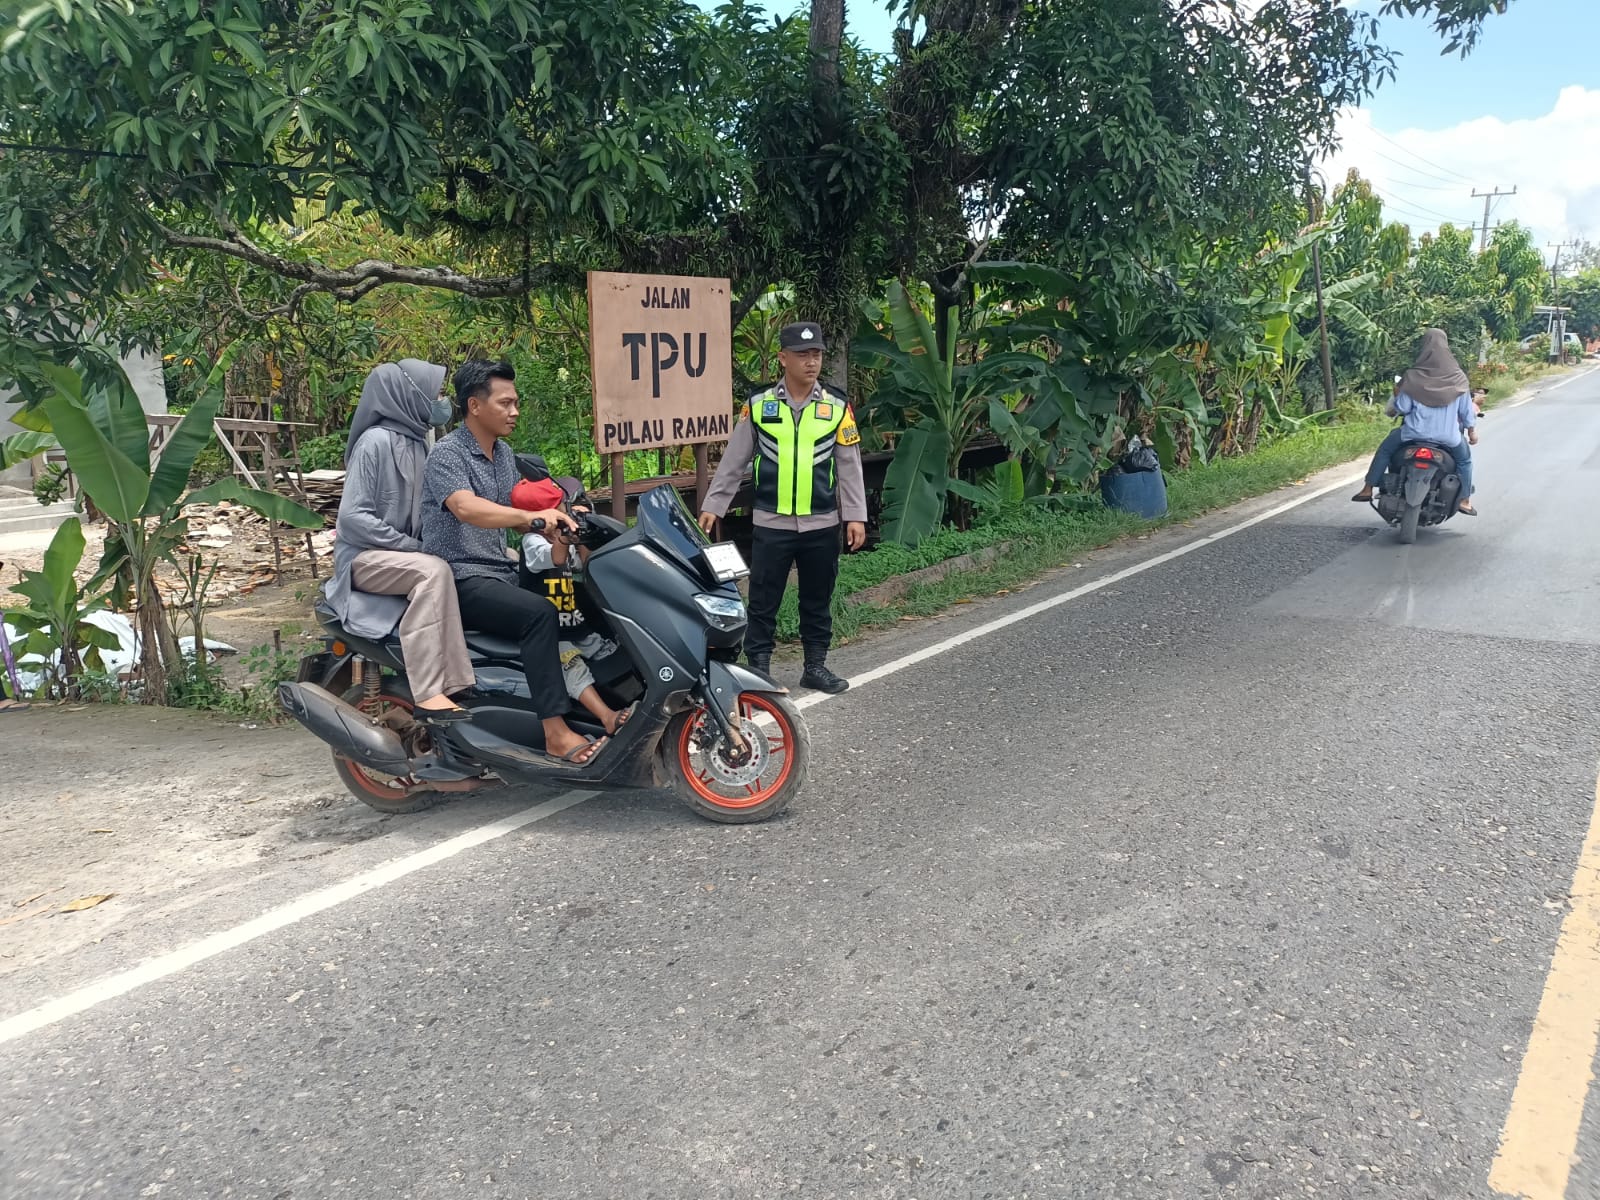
x,y
1143,493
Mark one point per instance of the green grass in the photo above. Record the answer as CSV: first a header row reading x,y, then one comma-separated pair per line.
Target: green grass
x,y
1503,387
1041,541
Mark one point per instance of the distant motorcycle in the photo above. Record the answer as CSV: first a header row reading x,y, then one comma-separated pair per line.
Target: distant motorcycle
x,y
1419,488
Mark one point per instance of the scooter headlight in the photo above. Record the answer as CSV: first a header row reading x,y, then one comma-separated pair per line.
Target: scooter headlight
x,y
721,612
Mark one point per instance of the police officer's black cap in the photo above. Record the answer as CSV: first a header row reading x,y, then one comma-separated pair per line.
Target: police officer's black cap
x,y
802,335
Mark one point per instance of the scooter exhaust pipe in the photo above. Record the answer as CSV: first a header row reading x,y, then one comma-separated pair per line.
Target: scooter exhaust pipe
x,y
347,730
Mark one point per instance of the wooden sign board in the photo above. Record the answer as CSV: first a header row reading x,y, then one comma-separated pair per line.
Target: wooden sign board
x,y
661,349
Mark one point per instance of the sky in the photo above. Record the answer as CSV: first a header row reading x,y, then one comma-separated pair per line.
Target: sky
x,y
1522,111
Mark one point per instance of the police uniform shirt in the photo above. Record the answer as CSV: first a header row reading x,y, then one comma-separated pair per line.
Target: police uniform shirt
x,y
741,452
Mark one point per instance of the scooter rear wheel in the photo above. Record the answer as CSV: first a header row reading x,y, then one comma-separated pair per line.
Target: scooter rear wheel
x,y
1408,523
385,793
732,788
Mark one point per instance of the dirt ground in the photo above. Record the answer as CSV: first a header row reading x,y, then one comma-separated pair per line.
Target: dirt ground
x,y
150,806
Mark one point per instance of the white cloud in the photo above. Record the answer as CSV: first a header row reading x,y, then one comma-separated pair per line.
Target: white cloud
x,y
1549,159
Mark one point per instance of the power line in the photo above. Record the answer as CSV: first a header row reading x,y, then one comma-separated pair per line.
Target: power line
x,y
1442,184
1418,157
1420,209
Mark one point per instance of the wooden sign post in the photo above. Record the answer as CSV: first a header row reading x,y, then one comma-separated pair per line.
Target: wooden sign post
x,y
661,354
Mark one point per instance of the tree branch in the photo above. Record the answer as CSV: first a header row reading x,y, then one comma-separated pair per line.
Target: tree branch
x,y
352,282
743,305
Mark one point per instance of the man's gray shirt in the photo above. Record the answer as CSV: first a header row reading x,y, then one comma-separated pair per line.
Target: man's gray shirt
x,y
457,464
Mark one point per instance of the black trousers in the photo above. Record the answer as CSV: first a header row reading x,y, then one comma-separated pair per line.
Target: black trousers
x,y
505,610
772,553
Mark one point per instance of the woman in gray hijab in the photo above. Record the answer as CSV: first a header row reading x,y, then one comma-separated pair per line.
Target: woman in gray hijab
x,y
1434,400
381,578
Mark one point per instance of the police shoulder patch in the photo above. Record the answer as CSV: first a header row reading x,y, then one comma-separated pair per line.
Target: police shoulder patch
x,y
848,434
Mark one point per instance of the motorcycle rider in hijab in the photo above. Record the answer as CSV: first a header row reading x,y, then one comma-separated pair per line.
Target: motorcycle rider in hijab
x,y
381,577
1435,401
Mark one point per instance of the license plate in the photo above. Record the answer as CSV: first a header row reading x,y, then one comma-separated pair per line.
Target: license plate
x,y
726,561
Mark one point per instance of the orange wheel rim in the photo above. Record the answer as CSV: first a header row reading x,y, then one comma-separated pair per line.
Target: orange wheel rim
x,y
779,749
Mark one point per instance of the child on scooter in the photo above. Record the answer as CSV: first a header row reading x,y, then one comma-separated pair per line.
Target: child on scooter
x,y
546,569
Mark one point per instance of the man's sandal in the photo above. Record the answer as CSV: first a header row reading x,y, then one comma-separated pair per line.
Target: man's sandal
x,y
580,756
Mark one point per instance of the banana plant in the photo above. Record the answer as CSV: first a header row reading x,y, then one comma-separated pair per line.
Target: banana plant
x,y
102,428
942,405
52,626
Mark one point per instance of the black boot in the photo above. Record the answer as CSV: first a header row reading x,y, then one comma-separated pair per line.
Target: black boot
x,y
761,662
818,676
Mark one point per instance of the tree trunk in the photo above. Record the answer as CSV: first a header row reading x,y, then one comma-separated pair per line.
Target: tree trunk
x,y
827,36
831,279
154,636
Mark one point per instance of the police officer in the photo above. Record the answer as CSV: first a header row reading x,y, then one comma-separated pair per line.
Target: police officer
x,y
803,442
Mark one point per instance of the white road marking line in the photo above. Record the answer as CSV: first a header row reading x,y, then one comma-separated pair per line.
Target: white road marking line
x,y
1043,606
1540,1137
296,910
1546,391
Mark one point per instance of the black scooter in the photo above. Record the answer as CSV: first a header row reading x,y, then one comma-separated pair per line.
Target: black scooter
x,y
727,739
1420,487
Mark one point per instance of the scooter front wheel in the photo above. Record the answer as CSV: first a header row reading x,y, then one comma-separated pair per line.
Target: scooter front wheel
x,y
739,785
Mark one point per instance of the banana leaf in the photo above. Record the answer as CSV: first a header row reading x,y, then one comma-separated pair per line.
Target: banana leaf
x,y
117,485
269,504
915,336
1048,280
191,436
31,419
53,589
20,447
914,486
114,408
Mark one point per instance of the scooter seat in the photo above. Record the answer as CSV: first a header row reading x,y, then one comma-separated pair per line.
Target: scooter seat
x,y
489,645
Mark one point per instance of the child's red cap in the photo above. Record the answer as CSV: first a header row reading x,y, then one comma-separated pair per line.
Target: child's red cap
x,y
537,495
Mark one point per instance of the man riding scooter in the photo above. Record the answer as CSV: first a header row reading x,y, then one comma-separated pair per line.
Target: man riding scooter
x,y
466,510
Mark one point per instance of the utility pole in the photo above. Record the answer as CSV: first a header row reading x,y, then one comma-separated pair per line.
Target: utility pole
x,y
1558,338
1483,240
1314,195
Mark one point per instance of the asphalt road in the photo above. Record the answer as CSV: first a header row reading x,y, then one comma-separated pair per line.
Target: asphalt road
x,y
1242,876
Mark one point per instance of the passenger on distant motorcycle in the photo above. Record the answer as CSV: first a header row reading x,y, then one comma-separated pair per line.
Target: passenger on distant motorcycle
x,y
466,510
1435,401
381,577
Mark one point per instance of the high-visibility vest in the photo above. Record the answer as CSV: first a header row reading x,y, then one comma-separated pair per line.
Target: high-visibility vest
x,y
794,472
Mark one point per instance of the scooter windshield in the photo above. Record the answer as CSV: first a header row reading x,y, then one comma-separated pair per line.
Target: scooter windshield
x,y
667,524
